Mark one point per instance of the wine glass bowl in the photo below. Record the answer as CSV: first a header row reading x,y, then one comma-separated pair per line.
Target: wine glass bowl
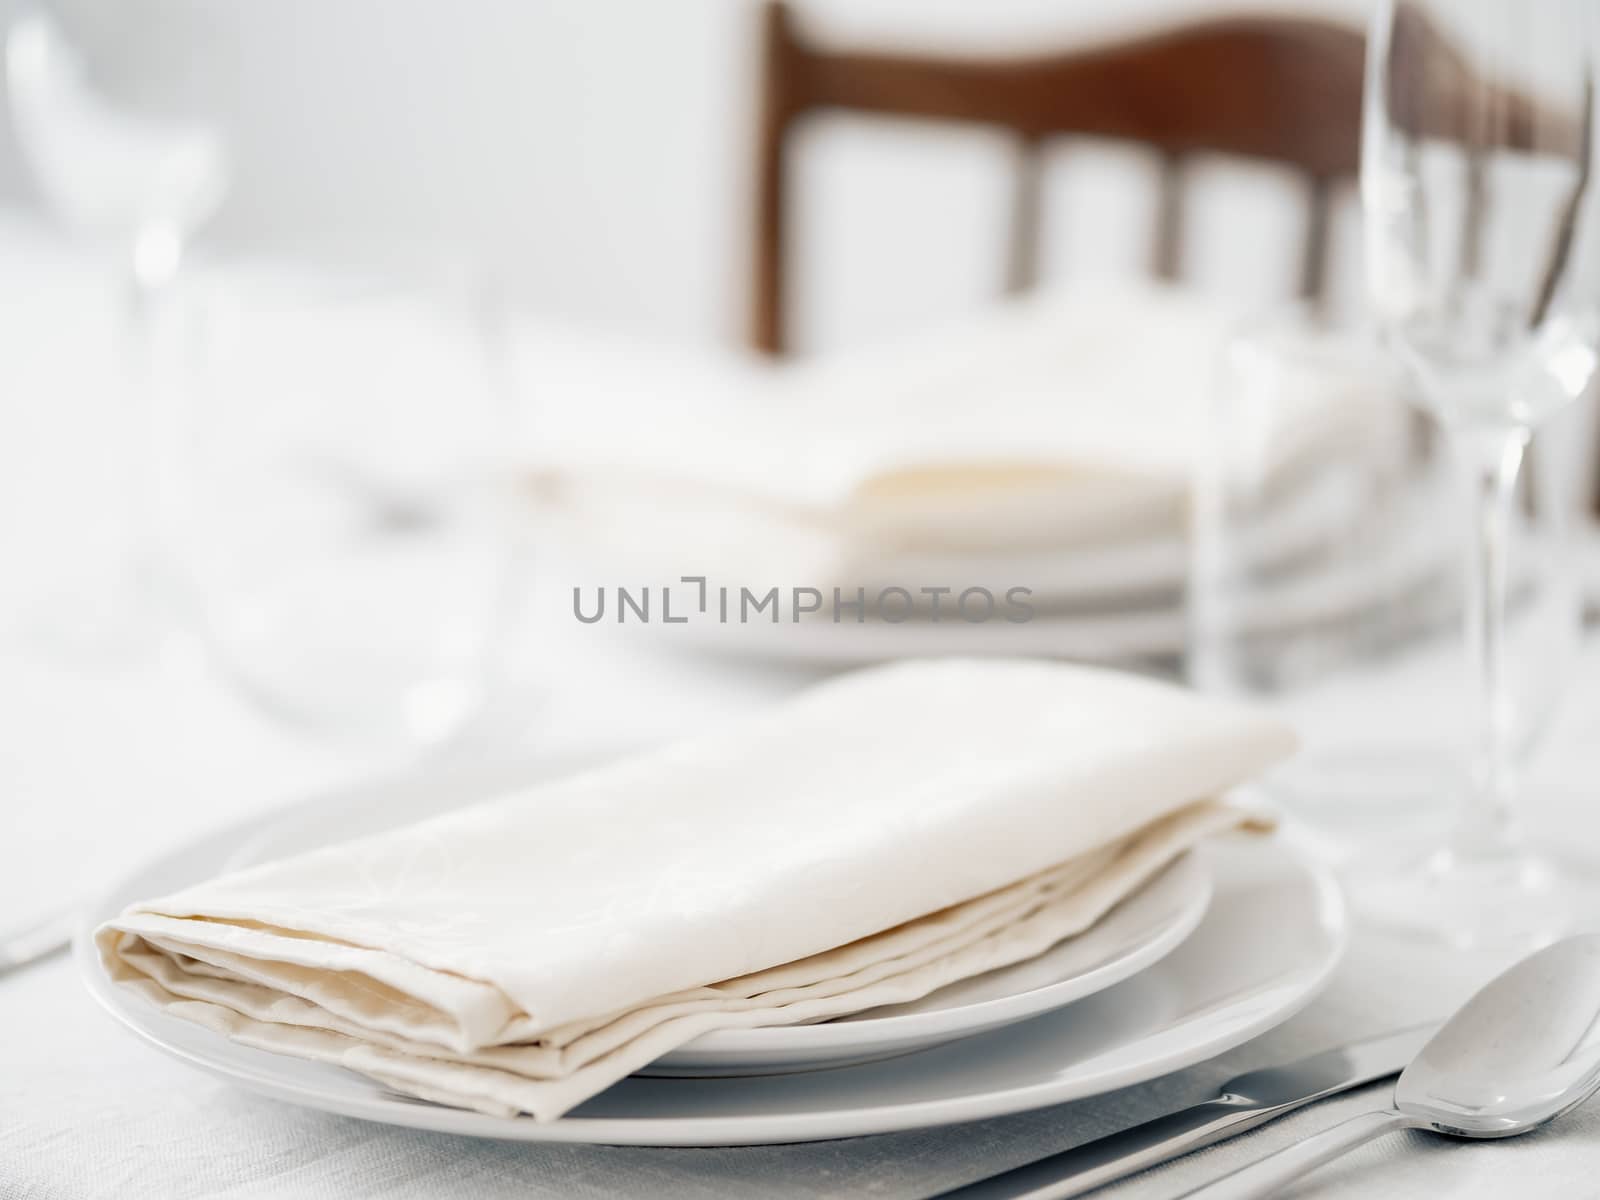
x,y
110,144
1479,205
346,534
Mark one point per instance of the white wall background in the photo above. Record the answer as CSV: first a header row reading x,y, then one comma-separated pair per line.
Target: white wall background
x,y
596,151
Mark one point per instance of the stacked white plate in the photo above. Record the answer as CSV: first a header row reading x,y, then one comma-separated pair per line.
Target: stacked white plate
x,y
1227,942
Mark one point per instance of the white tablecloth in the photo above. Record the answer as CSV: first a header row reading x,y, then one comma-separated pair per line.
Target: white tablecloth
x,y
96,771
90,1112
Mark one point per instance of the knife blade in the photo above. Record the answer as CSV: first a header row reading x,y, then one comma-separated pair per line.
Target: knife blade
x,y
1243,1103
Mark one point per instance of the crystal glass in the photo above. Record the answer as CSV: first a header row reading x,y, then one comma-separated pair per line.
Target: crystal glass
x,y
118,108
1325,582
1484,271
1315,520
346,527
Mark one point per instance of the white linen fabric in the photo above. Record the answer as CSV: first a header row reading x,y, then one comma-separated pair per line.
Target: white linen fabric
x,y
1106,381
962,457
875,838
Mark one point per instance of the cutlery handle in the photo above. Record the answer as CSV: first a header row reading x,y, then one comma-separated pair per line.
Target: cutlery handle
x,y
1105,1160
19,947
1266,1177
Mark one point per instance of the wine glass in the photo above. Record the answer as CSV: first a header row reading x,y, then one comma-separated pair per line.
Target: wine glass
x,y
1483,265
117,107
345,526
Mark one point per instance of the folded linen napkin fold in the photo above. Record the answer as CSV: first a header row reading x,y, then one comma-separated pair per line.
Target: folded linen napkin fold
x,y
878,837
1061,420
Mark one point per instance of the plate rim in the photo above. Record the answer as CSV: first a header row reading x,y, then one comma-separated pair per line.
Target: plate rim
x,y
756,1129
1030,1003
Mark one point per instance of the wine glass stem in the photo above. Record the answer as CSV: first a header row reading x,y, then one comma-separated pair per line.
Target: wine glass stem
x,y
1491,459
138,403
145,282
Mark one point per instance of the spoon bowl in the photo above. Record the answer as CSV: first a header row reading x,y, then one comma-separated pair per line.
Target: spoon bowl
x,y
1522,1051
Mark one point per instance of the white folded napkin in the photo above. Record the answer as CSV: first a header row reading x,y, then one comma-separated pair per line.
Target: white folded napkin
x,y
1055,420
879,836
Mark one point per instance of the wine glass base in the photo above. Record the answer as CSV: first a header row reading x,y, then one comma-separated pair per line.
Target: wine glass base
x,y
1509,901
1370,802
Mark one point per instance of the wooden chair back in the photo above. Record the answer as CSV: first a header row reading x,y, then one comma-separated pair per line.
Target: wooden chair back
x,y
1283,90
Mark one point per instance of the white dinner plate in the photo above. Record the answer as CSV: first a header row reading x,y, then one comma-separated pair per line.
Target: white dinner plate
x,y
1268,942
1146,925
1150,923
1098,638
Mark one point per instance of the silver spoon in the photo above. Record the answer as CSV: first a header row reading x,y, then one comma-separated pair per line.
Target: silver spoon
x,y
1521,1052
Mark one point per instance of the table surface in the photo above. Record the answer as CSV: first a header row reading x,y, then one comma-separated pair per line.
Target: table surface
x,y
101,768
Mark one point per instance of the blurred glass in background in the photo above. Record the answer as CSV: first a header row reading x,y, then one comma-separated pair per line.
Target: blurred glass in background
x,y
341,511
117,115
1316,512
